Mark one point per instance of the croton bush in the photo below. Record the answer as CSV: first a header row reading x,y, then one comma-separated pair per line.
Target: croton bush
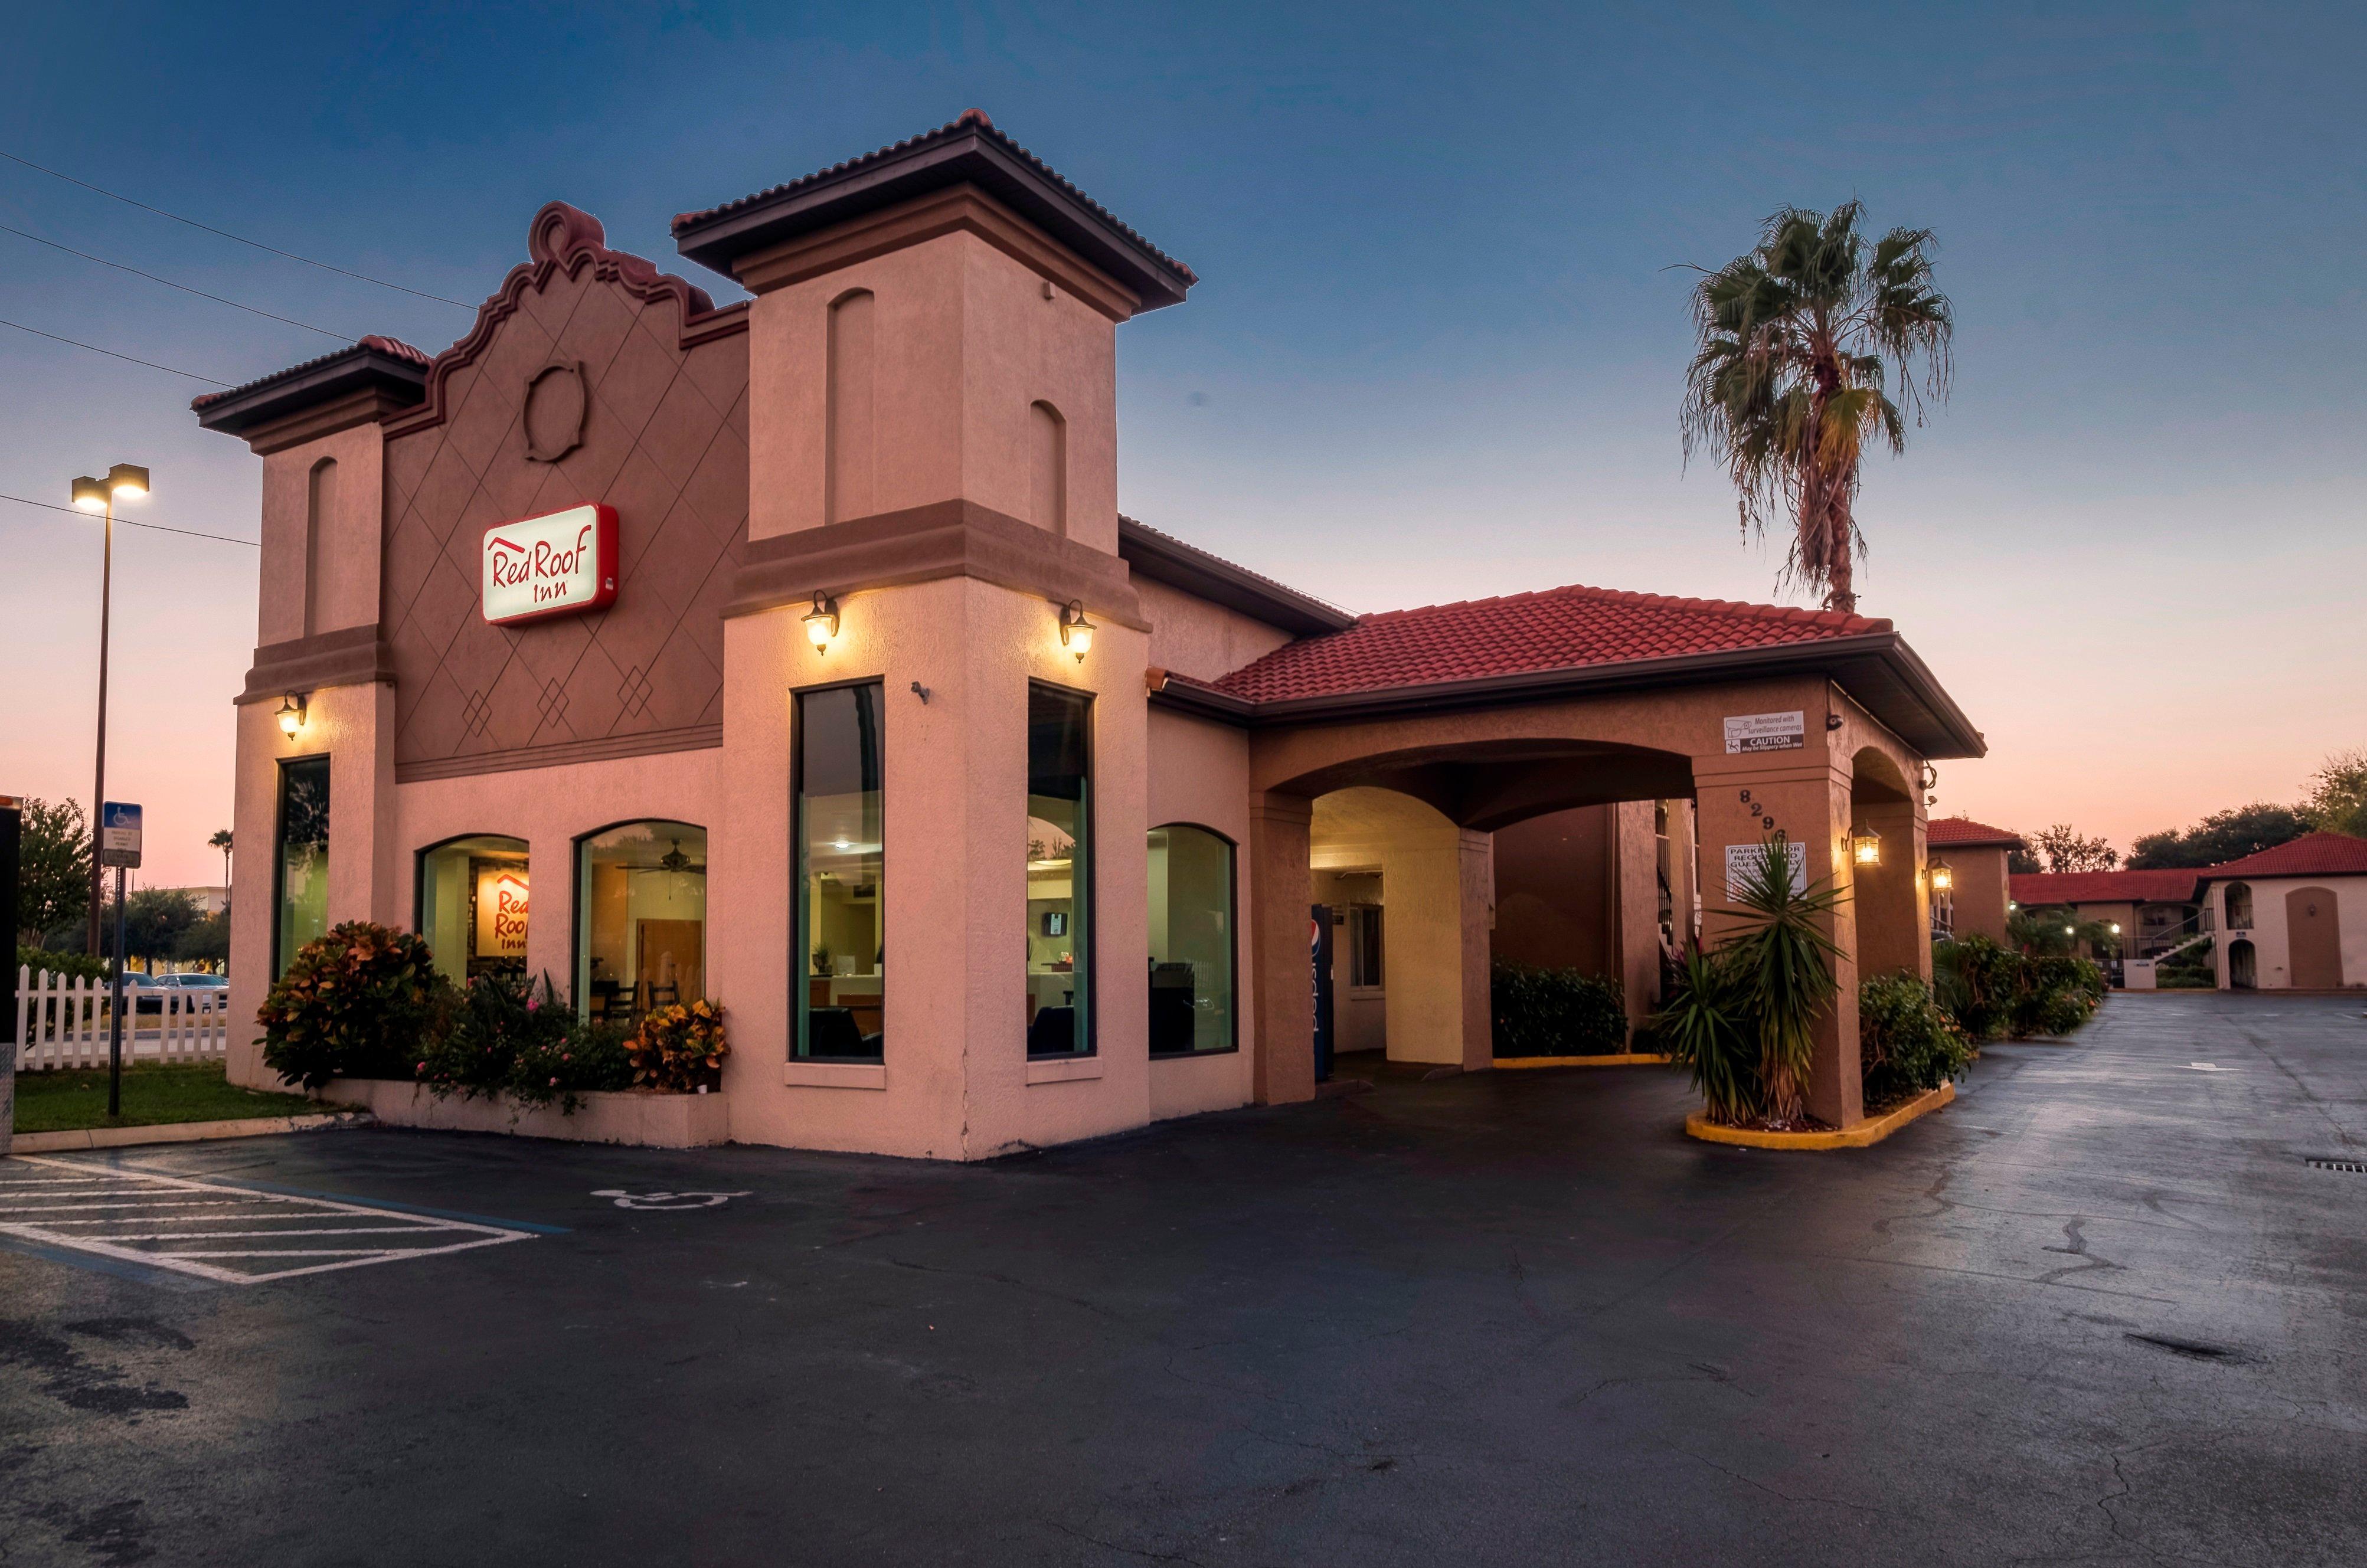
x,y
354,1003
366,1001
680,1049
1907,1042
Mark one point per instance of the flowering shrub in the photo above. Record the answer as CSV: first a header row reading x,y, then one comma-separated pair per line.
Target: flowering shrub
x,y
355,1003
512,1036
680,1048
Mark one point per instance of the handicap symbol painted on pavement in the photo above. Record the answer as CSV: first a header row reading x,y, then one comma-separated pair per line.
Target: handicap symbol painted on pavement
x,y
625,1200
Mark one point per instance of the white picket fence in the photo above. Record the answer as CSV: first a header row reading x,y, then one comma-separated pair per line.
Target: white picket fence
x,y
62,1023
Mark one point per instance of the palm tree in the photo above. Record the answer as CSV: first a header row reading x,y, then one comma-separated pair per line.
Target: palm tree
x,y
220,840
1785,389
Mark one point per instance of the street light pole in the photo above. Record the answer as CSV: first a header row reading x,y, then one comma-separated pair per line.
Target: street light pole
x,y
98,495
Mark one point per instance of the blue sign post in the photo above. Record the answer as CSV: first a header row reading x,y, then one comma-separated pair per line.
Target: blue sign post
x,y
119,846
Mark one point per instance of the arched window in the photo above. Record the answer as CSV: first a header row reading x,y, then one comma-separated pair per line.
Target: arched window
x,y
641,918
1192,1001
1047,475
2239,906
472,904
320,506
849,430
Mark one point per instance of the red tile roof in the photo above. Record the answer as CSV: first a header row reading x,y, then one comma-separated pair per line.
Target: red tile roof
x,y
2039,887
1963,831
1557,628
2312,854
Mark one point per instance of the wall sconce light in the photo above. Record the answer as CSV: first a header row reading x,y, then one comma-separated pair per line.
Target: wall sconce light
x,y
2117,928
1944,877
821,621
1865,847
1076,632
292,714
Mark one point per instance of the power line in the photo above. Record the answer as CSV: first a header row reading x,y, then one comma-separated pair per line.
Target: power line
x,y
226,235
77,343
341,337
130,523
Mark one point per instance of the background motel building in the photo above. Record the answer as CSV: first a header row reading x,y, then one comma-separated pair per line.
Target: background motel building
x,y
794,653
2289,917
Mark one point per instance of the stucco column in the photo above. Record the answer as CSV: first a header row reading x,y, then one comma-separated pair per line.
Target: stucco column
x,y
1476,866
1283,1000
1745,800
1894,923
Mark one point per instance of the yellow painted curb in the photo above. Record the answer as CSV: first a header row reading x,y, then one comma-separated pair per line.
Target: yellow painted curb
x,y
1616,1059
1855,1137
180,1132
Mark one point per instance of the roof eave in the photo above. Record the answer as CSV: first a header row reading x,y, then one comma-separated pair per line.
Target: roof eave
x,y
1163,559
970,157
1906,697
360,368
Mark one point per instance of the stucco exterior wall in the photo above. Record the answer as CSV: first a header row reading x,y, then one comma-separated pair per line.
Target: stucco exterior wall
x,y
1201,640
1199,771
964,344
1982,890
352,531
2271,937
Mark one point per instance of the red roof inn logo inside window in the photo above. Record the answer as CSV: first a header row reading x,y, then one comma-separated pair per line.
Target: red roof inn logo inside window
x,y
558,564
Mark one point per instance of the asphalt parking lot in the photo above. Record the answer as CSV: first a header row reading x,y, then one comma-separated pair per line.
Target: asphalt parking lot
x,y
2101,1310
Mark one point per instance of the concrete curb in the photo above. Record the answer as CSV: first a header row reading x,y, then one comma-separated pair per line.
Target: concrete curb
x,y
1614,1059
1856,1137
182,1132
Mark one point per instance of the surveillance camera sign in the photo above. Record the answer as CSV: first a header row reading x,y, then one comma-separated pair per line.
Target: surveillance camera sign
x,y
561,563
1766,732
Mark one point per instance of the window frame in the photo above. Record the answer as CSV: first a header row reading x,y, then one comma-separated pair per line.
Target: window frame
x,y
280,849
799,953
1232,937
419,875
579,964
1083,892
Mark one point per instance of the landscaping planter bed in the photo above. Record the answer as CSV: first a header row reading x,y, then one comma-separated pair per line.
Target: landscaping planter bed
x,y
628,1116
1606,1059
1871,1131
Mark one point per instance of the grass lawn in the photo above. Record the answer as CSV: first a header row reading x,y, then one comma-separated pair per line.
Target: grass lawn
x,y
152,1093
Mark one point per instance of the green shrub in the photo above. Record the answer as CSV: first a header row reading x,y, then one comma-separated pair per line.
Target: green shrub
x,y
1907,1043
1556,1013
512,1036
73,966
359,1002
1975,980
1703,1028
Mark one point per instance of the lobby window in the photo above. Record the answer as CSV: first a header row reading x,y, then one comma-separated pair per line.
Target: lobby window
x,y
1060,871
1364,945
472,904
300,863
1191,940
641,918
839,958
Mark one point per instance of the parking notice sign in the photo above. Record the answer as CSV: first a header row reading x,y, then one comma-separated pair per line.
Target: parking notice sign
x,y
118,835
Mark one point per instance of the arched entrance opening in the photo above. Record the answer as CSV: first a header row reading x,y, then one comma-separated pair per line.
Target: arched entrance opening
x,y
1887,910
2243,964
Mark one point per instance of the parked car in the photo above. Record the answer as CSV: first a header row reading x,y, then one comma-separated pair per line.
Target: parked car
x,y
148,991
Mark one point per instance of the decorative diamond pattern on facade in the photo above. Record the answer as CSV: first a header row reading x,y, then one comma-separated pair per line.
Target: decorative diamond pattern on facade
x,y
662,443
635,693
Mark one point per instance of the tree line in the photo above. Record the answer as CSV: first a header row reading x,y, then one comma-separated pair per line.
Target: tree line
x,y
2336,802
159,924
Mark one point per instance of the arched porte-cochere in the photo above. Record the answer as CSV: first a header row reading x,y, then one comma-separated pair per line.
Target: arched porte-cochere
x,y
1796,757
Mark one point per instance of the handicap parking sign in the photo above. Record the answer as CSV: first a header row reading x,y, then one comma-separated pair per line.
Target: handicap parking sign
x,y
118,834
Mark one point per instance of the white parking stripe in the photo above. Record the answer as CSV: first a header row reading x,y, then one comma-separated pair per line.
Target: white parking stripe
x,y
142,1198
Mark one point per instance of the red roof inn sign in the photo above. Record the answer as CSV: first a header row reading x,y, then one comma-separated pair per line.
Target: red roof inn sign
x,y
560,563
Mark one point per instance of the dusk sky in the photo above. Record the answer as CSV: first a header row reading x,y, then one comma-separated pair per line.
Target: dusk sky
x,y
1437,352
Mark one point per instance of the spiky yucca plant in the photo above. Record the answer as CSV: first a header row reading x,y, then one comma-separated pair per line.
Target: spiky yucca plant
x,y
1781,965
